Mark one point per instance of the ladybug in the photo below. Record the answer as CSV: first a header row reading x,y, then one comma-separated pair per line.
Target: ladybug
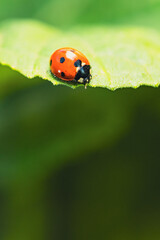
x,y
70,64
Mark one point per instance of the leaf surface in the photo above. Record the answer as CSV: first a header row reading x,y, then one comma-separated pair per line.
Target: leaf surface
x,y
119,56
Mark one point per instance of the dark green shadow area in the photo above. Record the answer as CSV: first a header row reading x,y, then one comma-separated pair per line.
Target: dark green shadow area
x,y
115,192
79,159
12,82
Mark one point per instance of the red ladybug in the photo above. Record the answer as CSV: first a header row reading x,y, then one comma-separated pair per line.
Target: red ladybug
x,y
70,64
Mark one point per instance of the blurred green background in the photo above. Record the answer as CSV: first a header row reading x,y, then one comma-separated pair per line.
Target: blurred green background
x,y
79,164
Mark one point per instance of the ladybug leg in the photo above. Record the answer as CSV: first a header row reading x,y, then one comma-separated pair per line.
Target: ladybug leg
x,y
85,86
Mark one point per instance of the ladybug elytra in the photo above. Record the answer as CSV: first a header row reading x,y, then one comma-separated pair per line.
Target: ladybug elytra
x,y
70,64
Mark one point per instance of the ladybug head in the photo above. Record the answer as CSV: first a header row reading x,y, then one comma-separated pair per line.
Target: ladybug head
x,y
83,75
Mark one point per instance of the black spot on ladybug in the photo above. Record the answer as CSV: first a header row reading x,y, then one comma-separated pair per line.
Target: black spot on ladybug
x,y
62,74
78,63
51,62
62,59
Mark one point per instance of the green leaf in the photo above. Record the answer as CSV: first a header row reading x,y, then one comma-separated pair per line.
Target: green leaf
x,y
120,57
